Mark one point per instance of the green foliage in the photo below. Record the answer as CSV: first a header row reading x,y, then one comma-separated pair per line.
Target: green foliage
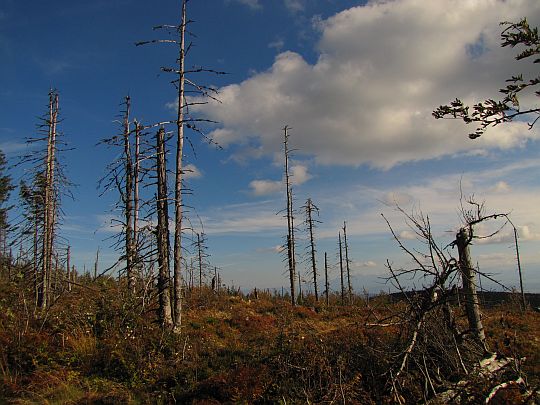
x,y
494,112
5,189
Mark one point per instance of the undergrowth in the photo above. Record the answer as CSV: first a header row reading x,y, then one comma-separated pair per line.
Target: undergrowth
x,y
97,345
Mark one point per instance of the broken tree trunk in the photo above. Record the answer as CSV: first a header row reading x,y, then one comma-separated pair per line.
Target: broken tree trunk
x,y
468,276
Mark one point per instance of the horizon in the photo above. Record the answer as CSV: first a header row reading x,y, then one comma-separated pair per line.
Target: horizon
x,y
356,82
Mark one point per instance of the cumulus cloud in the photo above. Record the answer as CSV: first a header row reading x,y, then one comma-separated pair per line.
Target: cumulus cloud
x,y
265,187
298,175
382,69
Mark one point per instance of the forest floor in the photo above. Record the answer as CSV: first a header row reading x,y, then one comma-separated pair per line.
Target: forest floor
x,y
95,345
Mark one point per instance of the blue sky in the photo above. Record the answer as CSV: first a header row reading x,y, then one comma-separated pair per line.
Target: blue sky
x,y
356,82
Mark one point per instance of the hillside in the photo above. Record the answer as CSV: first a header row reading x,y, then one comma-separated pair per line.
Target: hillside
x,y
94,345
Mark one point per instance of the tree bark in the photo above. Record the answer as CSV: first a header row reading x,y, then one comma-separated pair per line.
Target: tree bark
x,y
179,173
48,205
309,209
346,246
136,201
128,200
523,300
163,244
327,287
468,275
341,270
290,219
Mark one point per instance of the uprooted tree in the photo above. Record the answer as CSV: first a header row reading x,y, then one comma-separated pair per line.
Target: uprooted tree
x,y
490,113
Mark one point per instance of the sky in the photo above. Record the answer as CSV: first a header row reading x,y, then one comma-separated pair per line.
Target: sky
x,y
355,81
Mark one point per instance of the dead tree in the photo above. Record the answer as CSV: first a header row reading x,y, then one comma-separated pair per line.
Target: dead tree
x,y
68,268
290,218
472,217
162,232
326,285
128,198
468,276
523,300
41,199
121,177
310,222
49,214
183,119
137,264
202,256
347,262
428,330
340,245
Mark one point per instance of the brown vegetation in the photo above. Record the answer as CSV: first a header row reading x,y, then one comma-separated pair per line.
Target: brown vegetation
x,y
96,344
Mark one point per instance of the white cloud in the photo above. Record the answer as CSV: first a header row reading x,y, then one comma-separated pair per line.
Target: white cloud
x,y
501,187
407,235
277,44
382,69
245,218
295,6
298,174
265,187
192,172
253,4
13,147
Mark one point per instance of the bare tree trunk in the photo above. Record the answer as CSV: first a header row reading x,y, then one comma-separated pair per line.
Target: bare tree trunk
x,y
300,296
469,287
309,211
68,260
327,287
347,262
341,270
137,265
128,199
96,264
179,173
523,301
199,252
35,260
290,219
48,205
163,244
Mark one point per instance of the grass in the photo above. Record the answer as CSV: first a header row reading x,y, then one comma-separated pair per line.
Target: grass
x,y
106,348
